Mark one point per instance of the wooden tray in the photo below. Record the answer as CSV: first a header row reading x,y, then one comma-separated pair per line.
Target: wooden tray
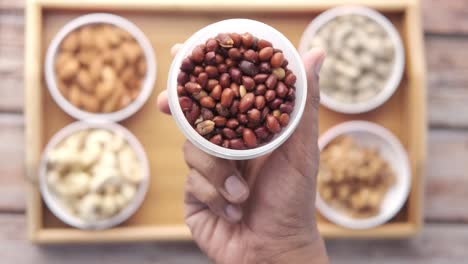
x,y
169,22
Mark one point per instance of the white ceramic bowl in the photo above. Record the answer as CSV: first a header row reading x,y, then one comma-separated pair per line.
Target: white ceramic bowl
x,y
374,136
398,67
259,30
124,214
101,18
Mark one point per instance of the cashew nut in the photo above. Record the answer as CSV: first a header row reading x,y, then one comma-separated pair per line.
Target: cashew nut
x,y
99,137
90,207
128,191
130,166
104,176
108,207
77,183
93,174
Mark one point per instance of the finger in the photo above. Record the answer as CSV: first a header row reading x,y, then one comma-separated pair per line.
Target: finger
x,y
313,61
221,173
305,137
175,49
163,103
204,192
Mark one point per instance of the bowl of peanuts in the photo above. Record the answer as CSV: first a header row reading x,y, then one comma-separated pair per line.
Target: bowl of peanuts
x,y
237,89
364,175
365,58
100,66
93,174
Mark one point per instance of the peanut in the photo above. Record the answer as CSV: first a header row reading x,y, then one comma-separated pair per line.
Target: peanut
x,y
265,54
226,97
277,60
246,102
272,124
243,101
249,137
205,127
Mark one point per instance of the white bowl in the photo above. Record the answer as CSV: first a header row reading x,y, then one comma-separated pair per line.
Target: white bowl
x,y
398,66
259,30
101,18
374,136
75,221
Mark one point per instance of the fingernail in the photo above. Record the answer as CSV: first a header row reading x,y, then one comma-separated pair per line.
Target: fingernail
x,y
233,213
318,64
234,187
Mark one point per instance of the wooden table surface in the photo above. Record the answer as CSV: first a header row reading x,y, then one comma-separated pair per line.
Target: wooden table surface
x,y
445,234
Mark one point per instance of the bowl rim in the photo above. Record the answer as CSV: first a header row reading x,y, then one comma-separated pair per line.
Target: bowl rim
x,y
203,143
74,221
393,81
340,218
101,18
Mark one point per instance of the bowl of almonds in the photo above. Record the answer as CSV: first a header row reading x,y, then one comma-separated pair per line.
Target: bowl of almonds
x,y
100,66
93,174
237,89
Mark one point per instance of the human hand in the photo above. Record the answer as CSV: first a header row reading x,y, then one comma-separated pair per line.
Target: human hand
x,y
261,210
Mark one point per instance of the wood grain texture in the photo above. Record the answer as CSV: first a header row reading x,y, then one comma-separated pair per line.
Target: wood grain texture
x,y
439,243
12,176
447,181
445,16
14,248
11,60
448,80
12,4
224,6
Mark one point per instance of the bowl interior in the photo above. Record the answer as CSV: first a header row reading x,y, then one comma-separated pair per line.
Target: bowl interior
x,y
73,220
398,67
259,30
372,136
99,18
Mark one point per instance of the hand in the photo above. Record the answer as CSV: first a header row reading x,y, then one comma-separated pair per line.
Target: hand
x,y
261,210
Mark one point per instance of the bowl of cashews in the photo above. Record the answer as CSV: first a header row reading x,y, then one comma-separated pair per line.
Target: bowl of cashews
x,y
93,174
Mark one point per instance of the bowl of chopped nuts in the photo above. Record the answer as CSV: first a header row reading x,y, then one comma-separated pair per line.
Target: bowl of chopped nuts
x,y
100,66
364,175
237,89
365,58
93,174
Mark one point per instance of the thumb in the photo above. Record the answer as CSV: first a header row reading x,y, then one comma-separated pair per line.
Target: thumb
x,y
304,140
313,61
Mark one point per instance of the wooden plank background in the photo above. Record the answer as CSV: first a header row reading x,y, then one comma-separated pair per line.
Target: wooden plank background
x,y
446,232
